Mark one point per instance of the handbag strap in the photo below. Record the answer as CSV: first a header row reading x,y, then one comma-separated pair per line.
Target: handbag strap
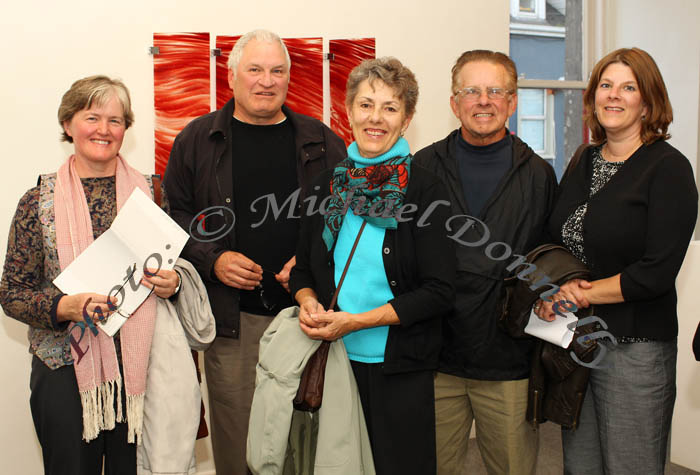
x,y
155,179
347,264
574,160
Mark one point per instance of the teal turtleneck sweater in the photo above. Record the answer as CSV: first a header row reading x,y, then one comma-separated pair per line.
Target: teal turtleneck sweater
x,y
365,286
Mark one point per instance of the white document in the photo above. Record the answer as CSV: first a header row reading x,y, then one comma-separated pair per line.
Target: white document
x,y
141,236
556,332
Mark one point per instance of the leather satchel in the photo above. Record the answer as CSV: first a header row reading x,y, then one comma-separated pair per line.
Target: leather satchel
x,y
553,263
310,393
557,382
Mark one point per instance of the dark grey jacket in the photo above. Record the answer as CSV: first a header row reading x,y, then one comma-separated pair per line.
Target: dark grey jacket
x,y
473,345
200,175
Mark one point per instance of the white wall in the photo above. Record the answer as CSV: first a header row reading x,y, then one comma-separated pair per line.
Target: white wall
x,y
684,430
47,45
668,32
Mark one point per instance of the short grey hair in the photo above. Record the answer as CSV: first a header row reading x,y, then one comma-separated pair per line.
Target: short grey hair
x,y
91,90
391,72
264,36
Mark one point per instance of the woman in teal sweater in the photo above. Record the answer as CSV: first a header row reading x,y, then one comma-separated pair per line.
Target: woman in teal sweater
x,y
400,280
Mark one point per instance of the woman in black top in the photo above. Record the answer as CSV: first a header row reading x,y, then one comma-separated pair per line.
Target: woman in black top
x,y
627,209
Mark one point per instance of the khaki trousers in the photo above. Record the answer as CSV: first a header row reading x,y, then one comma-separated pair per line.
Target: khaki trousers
x,y
230,371
507,442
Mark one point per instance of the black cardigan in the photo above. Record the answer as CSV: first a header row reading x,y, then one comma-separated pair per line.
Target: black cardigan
x,y
639,224
419,263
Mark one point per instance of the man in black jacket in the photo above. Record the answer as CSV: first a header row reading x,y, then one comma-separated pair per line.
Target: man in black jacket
x,y
495,177
233,180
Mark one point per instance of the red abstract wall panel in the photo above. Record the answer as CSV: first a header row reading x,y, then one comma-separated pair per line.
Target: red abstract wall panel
x,y
181,86
305,93
306,85
223,91
346,55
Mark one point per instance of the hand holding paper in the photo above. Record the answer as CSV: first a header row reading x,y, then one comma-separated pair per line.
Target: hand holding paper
x,y
141,236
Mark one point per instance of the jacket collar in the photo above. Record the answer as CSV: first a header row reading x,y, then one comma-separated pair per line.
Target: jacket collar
x,y
445,149
304,132
521,151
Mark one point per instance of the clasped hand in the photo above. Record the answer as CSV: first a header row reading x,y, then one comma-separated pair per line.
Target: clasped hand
x,y
574,291
320,324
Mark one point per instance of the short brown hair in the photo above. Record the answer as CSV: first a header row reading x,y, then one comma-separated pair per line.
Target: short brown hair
x,y
491,57
651,87
93,89
392,73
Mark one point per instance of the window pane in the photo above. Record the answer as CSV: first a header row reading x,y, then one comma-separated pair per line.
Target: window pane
x,y
527,5
530,102
532,133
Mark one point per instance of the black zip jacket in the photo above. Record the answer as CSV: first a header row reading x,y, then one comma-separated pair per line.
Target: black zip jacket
x,y
199,175
419,265
473,345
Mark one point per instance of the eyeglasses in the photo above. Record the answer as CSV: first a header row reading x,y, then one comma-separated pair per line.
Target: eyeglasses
x,y
473,94
267,303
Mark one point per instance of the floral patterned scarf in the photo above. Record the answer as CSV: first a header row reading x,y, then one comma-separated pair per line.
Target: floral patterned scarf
x,y
375,191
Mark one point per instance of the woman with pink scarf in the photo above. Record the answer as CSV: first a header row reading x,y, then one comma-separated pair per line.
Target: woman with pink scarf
x,y
87,392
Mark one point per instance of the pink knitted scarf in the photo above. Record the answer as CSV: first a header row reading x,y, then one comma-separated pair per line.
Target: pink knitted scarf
x,y
98,370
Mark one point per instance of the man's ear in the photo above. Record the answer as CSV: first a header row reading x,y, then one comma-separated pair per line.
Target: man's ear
x,y
454,106
513,105
230,78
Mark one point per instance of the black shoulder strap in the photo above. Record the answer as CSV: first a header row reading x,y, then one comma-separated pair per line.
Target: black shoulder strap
x,y
575,159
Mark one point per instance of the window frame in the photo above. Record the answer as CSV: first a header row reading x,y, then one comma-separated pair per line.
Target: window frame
x,y
547,117
539,12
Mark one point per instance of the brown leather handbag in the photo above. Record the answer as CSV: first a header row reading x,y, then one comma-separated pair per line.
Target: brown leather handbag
x,y
310,393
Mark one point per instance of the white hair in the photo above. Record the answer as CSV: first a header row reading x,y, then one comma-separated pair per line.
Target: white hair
x,y
265,36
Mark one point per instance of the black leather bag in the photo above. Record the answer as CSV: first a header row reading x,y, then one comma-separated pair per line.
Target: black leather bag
x,y
552,263
557,382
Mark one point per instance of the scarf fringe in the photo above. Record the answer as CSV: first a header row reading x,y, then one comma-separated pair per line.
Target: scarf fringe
x,y
91,421
98,408
120,413
107,393
134,416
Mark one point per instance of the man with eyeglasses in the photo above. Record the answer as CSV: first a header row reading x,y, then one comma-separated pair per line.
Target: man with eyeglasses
x,y
219,167
495,177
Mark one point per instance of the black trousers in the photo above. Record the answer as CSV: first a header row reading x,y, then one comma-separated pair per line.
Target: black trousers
x,y
400,415
58,420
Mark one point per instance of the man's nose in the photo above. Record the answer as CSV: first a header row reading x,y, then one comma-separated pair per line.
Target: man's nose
x,y
266,79
484,96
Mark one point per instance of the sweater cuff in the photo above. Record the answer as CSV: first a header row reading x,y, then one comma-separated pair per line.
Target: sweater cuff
x,y
173,297
629,288
57,326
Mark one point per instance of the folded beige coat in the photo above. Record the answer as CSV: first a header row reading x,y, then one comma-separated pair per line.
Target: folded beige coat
x,y
173,397
342,445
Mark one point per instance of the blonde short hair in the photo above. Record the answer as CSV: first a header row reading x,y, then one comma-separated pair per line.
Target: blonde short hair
x,y
93,90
